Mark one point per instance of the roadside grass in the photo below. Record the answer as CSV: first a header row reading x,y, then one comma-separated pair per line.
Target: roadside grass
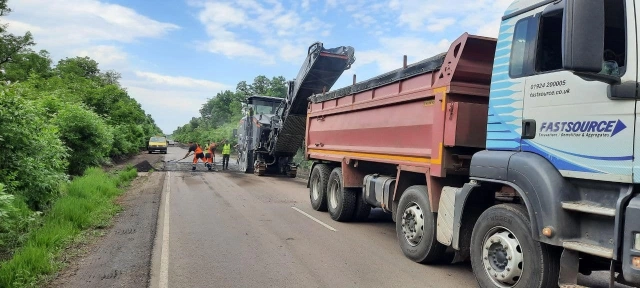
x,y
86,202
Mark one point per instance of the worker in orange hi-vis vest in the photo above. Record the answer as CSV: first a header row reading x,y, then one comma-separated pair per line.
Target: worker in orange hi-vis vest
x,y
210,156
198,153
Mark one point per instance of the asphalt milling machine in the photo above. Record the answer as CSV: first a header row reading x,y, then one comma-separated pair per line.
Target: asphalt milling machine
x,y
272,129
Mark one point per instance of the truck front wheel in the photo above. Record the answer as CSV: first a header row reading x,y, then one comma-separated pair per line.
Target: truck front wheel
x,y
416,227
503,253
341,202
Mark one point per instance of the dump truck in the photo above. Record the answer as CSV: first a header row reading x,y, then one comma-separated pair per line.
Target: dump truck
x,y
516,153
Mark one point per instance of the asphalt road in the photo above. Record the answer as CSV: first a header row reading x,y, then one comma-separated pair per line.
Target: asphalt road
x,y
228,229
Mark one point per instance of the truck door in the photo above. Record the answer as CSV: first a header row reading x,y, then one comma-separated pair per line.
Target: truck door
x,y
585,127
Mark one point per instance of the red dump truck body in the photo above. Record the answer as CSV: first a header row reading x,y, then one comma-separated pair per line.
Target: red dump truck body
x,y
421,122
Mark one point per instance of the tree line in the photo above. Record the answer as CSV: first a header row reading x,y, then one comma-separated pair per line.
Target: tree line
x,y
220,115
56,120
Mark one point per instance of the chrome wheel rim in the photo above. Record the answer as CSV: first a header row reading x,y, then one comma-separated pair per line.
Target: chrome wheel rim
x,y
315,189
333,194
502,257
413,224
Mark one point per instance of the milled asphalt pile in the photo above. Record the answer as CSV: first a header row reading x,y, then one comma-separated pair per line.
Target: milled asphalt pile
x,y
144,166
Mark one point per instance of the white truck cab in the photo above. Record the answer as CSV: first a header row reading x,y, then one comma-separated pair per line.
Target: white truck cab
x,y
562,132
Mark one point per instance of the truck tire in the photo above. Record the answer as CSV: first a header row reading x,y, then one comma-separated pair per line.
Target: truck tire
x,y
508,225
416,227
363,209
318,186
341,202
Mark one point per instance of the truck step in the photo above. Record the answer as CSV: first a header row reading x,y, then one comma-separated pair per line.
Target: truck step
x,y
572,286
588,208
589,249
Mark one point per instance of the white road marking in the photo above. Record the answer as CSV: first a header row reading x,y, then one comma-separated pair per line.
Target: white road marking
x,y
314,219
164,258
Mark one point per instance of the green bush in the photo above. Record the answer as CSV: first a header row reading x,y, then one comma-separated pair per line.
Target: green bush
x,y
33,160
86,134
15,219
86,202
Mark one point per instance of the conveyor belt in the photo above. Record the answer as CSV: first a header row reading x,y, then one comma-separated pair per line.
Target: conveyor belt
x,y
319,72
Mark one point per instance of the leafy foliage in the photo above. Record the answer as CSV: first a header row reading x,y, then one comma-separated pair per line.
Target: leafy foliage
x,y
86,134
56,122
33,160
15,219
87,202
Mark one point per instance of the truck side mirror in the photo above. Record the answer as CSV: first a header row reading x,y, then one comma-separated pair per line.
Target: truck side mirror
x,y
235,133
583,35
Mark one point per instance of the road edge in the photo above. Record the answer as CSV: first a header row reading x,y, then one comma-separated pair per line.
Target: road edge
x,y
156,251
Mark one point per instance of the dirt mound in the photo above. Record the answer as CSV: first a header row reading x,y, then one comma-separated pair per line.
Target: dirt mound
x,y
144,166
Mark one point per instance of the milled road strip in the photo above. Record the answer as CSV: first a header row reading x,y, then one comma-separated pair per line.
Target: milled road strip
x,y
314,219
164,258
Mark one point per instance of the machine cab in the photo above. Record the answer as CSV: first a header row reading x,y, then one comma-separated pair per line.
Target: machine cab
x,y
257,111
564,86
263,104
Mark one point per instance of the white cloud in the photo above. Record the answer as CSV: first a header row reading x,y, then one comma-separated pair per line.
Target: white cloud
x,y
106,55
472,15
275,31
102,31
439,25
363,19
74,22
181,81
169,107
305,4
407,27
172,100
234,48
389,57
22,27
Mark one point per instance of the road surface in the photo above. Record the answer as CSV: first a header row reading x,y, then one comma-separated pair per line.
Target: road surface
x,y
228,229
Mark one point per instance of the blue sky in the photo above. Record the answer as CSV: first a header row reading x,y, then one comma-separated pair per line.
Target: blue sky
x,y
174,54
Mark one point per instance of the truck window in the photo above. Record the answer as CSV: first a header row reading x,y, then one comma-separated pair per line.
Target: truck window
x,y
549,48
549,51
615,38
264,107
521,38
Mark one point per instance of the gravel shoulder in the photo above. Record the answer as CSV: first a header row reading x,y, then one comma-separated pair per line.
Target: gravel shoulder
x,y
121,256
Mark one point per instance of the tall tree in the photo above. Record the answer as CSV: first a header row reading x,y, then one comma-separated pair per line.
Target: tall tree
x,y
25,64
78,66
10,44
278,87
261,85
243,89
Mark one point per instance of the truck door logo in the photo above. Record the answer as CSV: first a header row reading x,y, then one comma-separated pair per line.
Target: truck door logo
x,y
589,129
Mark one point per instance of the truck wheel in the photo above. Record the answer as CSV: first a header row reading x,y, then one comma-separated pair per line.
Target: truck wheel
x,y
318,187
341,202
416,227
363,209
503,253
